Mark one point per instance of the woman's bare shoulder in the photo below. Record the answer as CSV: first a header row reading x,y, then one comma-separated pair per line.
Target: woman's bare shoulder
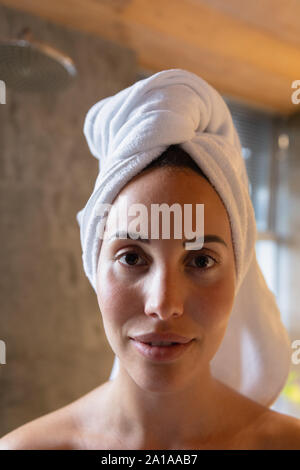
x,y
59,429
55,430
260,427
280,432
270,430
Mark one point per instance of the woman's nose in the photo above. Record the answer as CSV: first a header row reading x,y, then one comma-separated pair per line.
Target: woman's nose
x,y
164,297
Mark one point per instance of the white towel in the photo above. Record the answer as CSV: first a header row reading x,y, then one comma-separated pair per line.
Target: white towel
x,y
125,132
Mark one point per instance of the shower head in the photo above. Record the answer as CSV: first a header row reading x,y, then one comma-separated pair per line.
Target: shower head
x,y
31,66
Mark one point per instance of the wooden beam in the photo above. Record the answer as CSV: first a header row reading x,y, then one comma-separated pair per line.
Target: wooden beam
x,y
241,59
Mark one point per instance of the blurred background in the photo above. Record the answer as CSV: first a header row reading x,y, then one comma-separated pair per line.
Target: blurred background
x,y
57,58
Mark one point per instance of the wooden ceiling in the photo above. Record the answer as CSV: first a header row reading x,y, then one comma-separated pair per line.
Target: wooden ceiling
x,y
248,50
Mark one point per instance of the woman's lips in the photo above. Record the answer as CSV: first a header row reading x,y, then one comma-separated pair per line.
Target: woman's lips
x,y
161,353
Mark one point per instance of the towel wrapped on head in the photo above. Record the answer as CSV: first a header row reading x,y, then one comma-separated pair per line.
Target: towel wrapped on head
x,y
127,131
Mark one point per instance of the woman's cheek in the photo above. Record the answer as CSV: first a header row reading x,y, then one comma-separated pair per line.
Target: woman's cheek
x,y
215,304
108,282
116,297
223,305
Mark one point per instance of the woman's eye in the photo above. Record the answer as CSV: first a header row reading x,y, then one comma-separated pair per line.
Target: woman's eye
x,y
131,258
202,261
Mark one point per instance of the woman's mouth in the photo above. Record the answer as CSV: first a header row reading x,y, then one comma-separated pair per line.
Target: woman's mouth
x,y
161,351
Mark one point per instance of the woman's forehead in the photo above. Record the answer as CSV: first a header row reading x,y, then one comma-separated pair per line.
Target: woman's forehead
x,y
163,205
165,186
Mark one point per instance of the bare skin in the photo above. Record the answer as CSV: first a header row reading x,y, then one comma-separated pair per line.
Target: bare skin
x,y
77,426
170,405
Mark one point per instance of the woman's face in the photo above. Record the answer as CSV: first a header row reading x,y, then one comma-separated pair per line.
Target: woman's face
x,y
164,287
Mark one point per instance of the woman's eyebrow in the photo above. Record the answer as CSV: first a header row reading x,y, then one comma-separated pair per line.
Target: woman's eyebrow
x,y
136,236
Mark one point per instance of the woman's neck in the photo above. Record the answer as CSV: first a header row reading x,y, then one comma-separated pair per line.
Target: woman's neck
x,y
155,413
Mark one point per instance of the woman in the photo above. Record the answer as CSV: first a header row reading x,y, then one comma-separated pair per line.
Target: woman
x,y
155,290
